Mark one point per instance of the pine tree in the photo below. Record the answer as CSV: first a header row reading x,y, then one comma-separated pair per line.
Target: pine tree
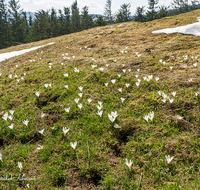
x,y
61,23
54,24
162,11
75,19
86,19
100,21
140,14
5,38
67,20
123,14
180,6
16,20
108,12
151,13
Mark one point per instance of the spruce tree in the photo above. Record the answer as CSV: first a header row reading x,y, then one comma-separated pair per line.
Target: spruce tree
x,y
108,12
75,19
140,14
124,13
86,19
151,13
67,20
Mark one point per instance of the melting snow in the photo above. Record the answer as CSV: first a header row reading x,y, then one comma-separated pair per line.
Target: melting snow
x,y
192,29
4,56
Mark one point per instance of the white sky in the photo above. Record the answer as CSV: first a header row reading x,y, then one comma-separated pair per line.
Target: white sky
x,y
95,6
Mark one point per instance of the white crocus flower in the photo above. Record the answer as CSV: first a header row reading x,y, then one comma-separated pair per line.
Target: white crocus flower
x,y
20,166
67,109
124,70
106,84
41,132
136,76
116,126
80,94
66,74
174,93
100,103
5,116
46,85
129,163
168,158
1,157
73,145
138,70
195,64
66,86
100,113
42,115
151,115
171,67
196,93
99,107
76,70
76,100
10,117
65,130
25,122
157,78
137,83
119,75
10,126
11,112
159,93
80,88
93,66
122,99
120,89
127,85
89,100
80,105
113,81
107,65
40,147
101,69
146,117
171,100
37,93
179,117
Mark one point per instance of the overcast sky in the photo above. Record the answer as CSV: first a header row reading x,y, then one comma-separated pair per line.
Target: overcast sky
x,y
95,6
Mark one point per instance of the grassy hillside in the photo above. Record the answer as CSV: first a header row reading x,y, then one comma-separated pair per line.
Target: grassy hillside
x,y
124,52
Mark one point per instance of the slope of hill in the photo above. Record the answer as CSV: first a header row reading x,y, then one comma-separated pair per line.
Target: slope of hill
x,y
129,98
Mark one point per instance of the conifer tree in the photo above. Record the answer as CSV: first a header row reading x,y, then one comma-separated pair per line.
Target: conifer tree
x,y
75,18
151,13
86,19
108,12
124,13
140,14
67,20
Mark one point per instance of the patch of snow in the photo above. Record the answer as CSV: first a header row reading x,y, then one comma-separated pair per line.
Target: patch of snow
x,y
4,56
192,29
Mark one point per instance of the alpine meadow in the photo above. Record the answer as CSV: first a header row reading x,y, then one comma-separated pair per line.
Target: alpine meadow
x,y
111,107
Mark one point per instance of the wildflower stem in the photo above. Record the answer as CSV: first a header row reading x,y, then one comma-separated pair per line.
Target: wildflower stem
x,y
77,158
141,176
88,153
